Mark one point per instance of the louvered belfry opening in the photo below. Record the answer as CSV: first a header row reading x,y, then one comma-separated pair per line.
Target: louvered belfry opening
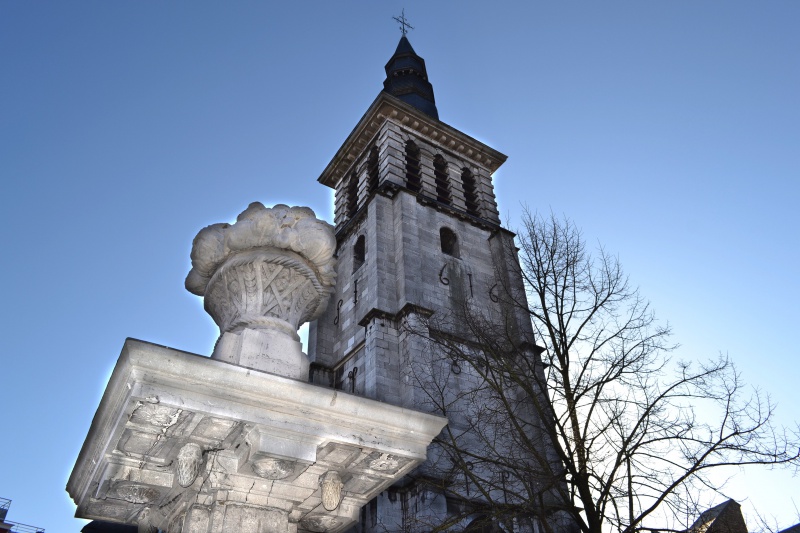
x,y
442,179
372,169
470,192
352,195
413,169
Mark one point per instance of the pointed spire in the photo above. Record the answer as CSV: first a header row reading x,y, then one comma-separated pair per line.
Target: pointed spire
x,y
407,79
404,47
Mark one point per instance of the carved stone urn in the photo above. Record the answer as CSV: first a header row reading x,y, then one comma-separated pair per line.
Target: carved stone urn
x,y
262,278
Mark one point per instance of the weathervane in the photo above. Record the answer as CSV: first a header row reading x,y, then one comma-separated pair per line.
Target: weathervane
x,y
403,22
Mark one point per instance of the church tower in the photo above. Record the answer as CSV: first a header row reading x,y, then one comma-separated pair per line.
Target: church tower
x,y
419,238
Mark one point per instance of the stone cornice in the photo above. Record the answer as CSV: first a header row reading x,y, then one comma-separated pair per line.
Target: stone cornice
x,y
387,107
306,414
407,309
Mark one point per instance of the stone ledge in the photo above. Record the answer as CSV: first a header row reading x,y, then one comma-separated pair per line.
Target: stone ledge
x,y
245,419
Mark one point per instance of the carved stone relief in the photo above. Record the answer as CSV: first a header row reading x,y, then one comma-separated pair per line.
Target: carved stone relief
x,y
107,510
161,416
384,463
273,468
231,449
331,488
272,263
190,457
321,523
254,287
135,493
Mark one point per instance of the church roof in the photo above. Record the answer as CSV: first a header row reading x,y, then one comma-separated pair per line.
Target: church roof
x,y
407,79
723,518
404,47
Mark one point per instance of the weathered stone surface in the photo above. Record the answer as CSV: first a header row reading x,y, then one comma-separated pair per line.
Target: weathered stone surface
x,y
250,519
331,487
270,468
221,448
295,229
190,457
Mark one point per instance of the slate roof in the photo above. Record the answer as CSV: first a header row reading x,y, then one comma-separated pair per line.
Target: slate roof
x,y
723,518
407,79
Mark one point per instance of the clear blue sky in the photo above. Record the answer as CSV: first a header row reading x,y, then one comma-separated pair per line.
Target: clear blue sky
x,y
669,131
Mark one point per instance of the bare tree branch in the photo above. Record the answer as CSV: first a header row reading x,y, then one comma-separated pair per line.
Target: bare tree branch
x,y
595,429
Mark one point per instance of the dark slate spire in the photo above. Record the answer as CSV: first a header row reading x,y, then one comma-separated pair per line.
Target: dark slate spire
x,y
407,79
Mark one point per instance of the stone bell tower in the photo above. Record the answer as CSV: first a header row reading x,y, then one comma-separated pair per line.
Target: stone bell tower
x,y
418,238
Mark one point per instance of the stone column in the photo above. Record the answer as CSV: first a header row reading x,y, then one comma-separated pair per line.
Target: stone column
x,y
262,277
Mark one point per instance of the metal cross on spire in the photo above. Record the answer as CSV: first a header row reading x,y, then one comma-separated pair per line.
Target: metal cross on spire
x,y
403,22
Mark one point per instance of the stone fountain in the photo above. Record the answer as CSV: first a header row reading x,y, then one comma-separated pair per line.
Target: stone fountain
x,y
240,442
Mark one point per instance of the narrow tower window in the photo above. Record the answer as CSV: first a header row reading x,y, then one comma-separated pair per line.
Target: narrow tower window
x,y
359,253
470,192
449,241
442,179
372,169
413,175
352,195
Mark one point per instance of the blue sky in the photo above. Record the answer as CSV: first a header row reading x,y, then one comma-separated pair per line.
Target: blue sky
x,y
669,131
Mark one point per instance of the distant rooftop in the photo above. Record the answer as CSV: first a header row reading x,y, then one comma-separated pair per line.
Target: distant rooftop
x,y
14,527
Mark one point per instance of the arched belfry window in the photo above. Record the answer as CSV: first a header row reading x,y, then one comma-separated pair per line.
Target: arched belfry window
x,y
449,242
470,192
413,169
372,169
352,195
442,179
359,252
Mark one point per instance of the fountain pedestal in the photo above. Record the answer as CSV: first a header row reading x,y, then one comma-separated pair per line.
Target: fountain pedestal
x,y
188,444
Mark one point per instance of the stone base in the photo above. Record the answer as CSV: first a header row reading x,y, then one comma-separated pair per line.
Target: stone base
x,y
267,350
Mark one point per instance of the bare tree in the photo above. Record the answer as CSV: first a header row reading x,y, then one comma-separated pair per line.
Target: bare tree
x,y
595,427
